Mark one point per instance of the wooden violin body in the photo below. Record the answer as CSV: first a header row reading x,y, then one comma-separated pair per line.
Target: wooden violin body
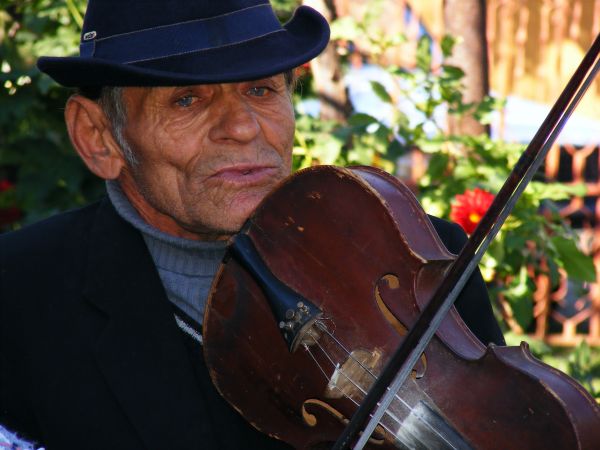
x,y
356,243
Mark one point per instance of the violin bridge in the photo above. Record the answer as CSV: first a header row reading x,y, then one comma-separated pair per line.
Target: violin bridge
x,y
355,376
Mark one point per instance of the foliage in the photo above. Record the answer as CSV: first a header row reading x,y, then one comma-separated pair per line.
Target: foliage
x,y
284,8
581,363
529,243
377,41
35,152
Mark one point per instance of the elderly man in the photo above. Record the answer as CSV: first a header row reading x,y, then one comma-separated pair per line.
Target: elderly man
x,y
184,107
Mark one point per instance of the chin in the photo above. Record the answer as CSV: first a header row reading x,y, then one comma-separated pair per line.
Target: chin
x,y
245,206
231,220
235,223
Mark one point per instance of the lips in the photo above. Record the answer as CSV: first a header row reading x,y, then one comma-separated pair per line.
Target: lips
x,y
245,174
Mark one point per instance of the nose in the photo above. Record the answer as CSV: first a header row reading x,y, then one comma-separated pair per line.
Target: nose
x,y
235,120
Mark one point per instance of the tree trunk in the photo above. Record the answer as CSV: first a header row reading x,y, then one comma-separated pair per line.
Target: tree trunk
x,y
465,19
327,72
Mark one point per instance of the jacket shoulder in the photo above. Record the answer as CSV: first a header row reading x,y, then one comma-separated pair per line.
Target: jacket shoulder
x,y
49,235
451,234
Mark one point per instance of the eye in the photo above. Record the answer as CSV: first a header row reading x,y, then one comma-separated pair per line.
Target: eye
x,y
259,91
186,101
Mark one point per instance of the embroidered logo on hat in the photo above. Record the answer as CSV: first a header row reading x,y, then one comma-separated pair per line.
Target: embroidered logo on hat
x,y
89,35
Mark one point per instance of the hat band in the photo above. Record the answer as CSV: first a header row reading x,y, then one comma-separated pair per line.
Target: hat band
x,y
184,37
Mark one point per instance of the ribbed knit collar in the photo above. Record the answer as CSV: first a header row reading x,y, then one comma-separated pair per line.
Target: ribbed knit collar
x,y
184,256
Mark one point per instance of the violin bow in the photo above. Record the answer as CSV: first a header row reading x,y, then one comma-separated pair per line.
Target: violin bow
x,y
414,343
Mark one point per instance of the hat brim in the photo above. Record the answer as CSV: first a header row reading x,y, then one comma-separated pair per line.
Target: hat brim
x,y
300,40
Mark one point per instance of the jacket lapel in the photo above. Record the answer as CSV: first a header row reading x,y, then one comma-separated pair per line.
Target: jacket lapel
x,y
141,351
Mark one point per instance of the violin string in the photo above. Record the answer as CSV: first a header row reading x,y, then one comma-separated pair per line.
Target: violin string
x,y
392,416
323,328
387,412
355,384
349,355
383,425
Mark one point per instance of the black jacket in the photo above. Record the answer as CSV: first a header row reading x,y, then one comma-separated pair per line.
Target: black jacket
x,y
90,354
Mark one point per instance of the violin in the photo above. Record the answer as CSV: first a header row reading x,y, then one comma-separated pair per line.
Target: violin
x,y
338,284
355,249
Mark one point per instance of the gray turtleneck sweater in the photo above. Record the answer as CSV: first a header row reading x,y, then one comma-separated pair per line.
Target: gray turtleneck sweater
x,y
186,267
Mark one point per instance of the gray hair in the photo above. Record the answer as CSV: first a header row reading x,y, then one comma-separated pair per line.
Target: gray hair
x,y
111,102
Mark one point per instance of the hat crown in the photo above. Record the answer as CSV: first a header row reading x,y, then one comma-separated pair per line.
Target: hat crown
x,y
184,42
105,18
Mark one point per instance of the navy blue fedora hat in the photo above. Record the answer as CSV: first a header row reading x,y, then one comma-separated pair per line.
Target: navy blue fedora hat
x,y
181,42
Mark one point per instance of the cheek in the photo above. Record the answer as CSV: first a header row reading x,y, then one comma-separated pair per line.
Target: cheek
x,y
172,156
283,129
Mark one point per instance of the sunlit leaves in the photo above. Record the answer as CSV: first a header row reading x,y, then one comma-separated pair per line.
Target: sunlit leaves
x,y
346,28
518,292
424,54
577,265
381,92
315,143
35,152
447,45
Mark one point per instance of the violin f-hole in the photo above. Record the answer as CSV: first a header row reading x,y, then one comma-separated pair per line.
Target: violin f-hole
x,y
392,282
315,411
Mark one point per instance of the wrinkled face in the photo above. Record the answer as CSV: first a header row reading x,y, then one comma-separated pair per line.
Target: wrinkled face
x,y
207,154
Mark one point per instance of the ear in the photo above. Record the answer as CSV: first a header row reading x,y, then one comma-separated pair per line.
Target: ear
x,y
90,133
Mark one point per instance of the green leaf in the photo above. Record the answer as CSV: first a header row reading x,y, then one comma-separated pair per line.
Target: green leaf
x,y
437,165
400,72
452,73
424,54
447,45
537,346
381,91
345,28
578,266
519,295
431,145
328,151
515,241
361,154
361,120
395,150
556,191
77,16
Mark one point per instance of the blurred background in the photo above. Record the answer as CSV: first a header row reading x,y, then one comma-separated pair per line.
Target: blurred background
x,y
443,94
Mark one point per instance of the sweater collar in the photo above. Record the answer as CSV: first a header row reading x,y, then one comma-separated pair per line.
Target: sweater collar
x,y
169,252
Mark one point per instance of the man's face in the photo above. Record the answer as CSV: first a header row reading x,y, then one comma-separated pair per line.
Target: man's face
x,y
207,154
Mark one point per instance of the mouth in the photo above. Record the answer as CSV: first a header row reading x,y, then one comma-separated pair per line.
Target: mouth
x,y
245,174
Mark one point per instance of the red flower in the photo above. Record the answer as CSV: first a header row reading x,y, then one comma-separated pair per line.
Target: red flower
x,y
5,185
467,209
302,70
9,215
